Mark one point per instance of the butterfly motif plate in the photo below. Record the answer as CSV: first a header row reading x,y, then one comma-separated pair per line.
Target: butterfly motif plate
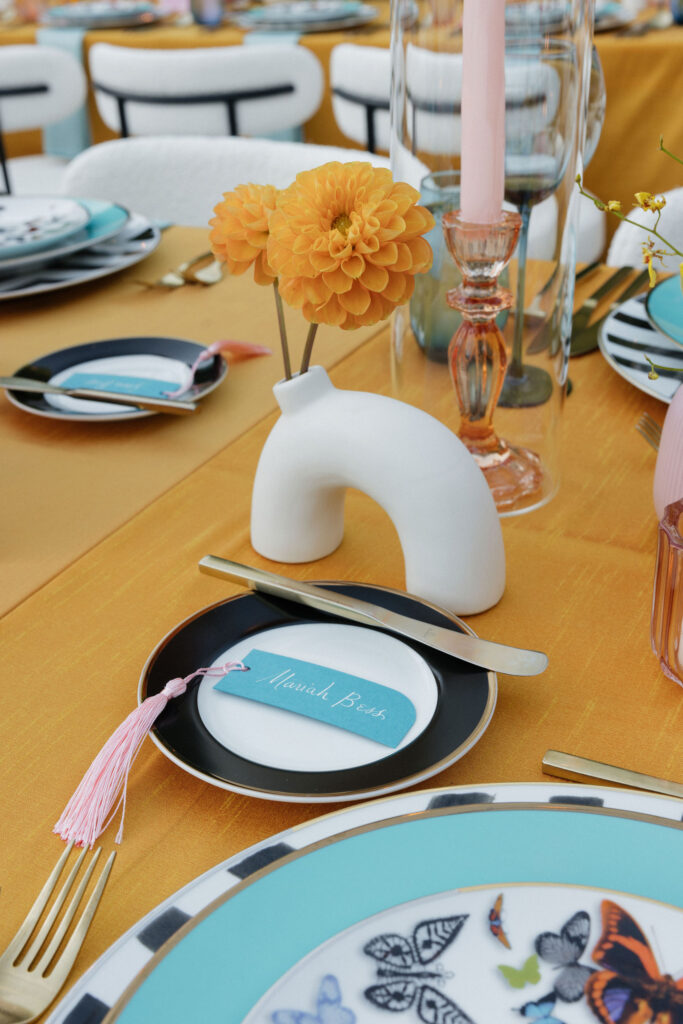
x,y
366,918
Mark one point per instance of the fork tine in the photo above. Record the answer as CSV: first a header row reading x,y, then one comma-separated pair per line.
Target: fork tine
x,y
61,931
650,430
32,953
65,962
25,930
650,440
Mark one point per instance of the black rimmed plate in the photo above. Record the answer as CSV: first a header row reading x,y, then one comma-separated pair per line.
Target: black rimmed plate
x,y
167,359
277,755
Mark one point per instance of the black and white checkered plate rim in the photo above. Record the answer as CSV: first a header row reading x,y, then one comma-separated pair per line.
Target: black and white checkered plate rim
x,y
627,336
91,998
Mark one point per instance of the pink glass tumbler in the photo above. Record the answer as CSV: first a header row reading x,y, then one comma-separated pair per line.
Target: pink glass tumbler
x,y
666,630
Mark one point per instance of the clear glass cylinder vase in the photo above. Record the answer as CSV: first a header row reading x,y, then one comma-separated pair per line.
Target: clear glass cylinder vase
x,y
547,74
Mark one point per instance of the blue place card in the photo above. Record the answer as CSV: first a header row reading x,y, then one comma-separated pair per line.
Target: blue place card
x,y
146,387
338,698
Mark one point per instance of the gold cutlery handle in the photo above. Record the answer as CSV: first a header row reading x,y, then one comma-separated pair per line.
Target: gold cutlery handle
x,y
578,769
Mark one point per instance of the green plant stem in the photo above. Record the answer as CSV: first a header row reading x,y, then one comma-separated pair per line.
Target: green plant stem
x,y
653,375
627,220
308,348
668,151
283,331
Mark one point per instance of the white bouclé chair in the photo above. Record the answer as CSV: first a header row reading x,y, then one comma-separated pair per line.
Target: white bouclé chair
x,y
180,179
39,86
222,90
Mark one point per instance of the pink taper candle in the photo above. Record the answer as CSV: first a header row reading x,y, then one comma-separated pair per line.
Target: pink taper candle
x,y
482,175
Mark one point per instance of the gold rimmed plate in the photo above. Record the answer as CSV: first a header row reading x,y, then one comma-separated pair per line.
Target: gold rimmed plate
x,y
267,752
406,915
139,949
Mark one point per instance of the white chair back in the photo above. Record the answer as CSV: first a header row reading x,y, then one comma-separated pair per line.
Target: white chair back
x,y
39,85
360,77
195,172
227,90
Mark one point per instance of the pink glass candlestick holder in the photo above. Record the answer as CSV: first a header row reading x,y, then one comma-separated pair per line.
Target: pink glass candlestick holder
x,y
477,355
666,628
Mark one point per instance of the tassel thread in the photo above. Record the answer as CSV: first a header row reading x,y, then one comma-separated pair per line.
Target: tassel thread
x,y
103,788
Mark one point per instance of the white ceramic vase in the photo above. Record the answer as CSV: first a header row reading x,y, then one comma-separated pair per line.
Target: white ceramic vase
x,y
414,467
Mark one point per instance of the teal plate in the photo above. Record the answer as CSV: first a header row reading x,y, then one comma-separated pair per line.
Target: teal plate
x,y
664,305
106,220
225,960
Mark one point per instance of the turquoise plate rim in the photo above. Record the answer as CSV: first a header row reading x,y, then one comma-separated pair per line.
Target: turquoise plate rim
x,y
495,843
672,283
30,249
89,235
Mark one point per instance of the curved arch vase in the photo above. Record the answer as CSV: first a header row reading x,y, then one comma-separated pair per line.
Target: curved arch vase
x,y
419,472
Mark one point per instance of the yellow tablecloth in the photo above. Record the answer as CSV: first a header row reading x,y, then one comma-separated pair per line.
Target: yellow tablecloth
x,y
643,78
579,587
68,485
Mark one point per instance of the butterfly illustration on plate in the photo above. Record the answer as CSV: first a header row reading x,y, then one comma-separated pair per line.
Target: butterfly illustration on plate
x,y
527,974
563,951
329,1009
403,963
496,924
540,1012
630,988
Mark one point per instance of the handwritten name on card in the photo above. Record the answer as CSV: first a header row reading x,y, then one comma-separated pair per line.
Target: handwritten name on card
x,y
347,701
145,387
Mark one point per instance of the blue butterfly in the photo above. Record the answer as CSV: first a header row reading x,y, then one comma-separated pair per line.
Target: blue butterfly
x,y
328,1006
540,1012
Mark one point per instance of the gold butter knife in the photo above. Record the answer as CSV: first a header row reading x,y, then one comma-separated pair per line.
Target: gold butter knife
x,y
175,406
513,661
577,769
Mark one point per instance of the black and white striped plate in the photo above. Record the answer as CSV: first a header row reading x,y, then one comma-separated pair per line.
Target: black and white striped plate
x,y
93,995
627,336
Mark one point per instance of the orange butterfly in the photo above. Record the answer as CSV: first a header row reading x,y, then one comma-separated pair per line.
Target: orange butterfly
x,y
495,923
630,988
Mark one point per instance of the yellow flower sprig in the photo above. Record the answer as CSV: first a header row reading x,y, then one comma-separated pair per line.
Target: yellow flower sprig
x,y
653,204
644,201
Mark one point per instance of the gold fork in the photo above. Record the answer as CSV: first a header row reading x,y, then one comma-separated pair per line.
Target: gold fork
x,y
31,975
650,430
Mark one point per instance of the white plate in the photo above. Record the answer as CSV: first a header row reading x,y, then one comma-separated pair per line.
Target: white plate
x,y
136,242
107,221
626,336
29,224
97,991
365,15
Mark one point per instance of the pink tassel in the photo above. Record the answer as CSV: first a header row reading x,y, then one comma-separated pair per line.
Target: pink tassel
x,y
102,789
242,349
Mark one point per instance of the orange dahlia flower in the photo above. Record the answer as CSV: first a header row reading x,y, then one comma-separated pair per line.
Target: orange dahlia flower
x,y
240,230
345,241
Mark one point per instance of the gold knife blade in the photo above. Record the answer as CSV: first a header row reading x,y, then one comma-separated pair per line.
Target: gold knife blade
x,y
578,769
174,406
512,661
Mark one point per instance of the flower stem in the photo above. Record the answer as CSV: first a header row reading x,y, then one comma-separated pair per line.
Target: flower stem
x,y
283,331
653,375
627,220
668,151
308,348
